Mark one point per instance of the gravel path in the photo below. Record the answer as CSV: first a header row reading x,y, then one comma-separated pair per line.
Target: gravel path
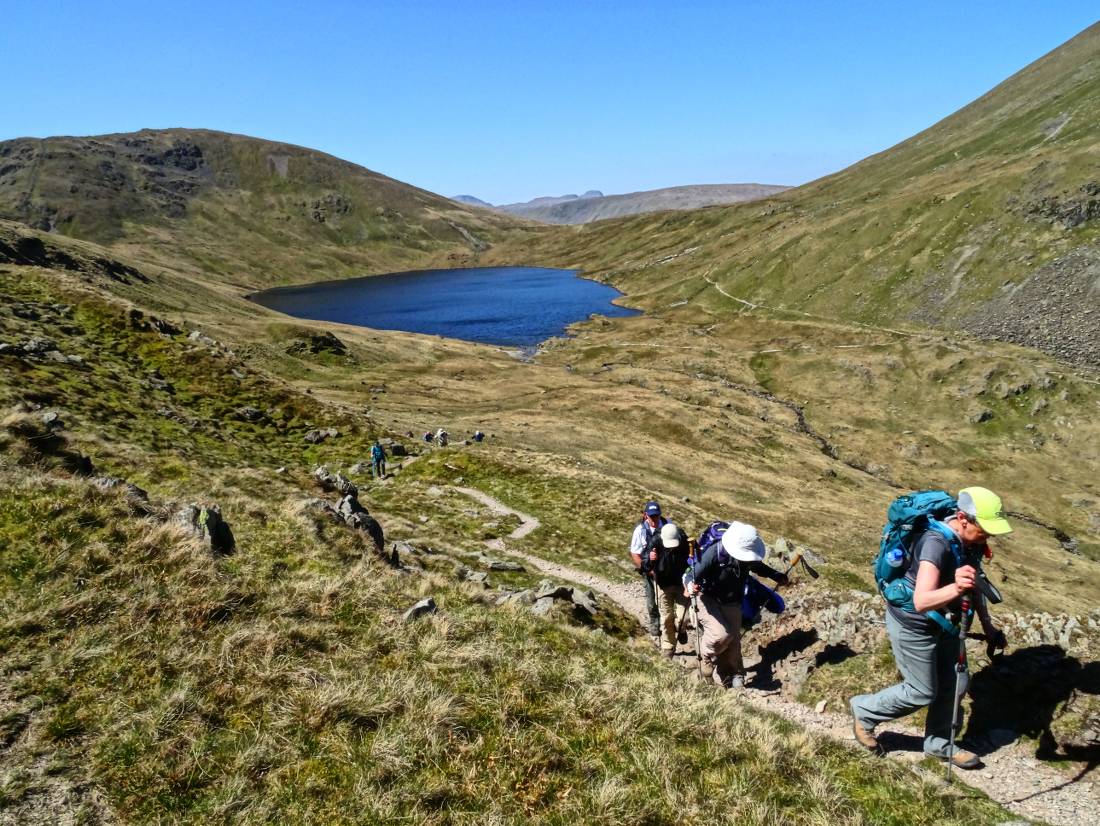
x,y
1011,776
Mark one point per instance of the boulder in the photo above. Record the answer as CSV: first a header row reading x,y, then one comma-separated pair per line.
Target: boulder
x,y
248,413
200,338
334,482
421,609
317,436
318,343
551,590
497,565
133,492
585,600
355,516
525,597
207,524
323,508
397,449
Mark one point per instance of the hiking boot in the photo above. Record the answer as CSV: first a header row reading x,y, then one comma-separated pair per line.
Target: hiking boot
x,y
865,737
682,638
961,759
706,669
737,682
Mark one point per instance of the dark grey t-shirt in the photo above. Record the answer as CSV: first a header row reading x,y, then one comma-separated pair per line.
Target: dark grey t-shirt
x,y
933,547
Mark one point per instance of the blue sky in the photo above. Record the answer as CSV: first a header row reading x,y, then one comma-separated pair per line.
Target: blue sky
x,y
511,100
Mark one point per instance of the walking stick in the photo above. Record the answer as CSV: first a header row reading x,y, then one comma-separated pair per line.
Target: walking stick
x,y
695,610
798,558
960,669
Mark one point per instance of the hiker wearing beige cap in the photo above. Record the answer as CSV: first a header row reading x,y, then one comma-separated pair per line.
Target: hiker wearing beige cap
x,y
927,630
719,578
669,551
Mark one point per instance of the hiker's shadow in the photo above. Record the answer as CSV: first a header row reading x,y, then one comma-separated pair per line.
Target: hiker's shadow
x,y
1042,693
791,643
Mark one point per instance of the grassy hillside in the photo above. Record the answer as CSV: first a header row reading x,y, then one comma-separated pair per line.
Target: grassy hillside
x,y
145,678
987,221
244,211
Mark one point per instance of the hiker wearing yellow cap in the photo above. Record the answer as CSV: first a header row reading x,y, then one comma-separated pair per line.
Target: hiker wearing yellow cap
x,y
944,578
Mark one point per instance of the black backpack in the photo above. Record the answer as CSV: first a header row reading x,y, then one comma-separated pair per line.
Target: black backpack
x,y
671,563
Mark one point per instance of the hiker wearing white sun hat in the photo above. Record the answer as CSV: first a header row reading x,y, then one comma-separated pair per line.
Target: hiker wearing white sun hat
x,y
719,577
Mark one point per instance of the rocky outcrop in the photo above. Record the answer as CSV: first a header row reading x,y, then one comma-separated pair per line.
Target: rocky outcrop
x,y
334,482
206,522
318,343
357,517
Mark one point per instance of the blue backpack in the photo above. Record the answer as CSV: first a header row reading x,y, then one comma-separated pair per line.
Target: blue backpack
x,y
711,535
907,518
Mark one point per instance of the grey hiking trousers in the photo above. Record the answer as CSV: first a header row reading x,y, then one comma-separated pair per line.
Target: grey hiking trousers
x,y
927,664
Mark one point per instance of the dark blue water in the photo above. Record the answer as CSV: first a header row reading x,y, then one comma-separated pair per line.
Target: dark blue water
x,y
511,306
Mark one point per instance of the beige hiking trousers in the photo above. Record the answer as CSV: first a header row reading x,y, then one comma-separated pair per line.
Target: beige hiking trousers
x,y
721,641
672,605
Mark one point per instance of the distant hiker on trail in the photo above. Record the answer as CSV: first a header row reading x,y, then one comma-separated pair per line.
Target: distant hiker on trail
x,y
428,437
478,435
644,531
666,558
718,575
377,460
944,575
441,436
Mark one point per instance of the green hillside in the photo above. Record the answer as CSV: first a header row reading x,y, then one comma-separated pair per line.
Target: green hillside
x,y
784,373
987,221
240,210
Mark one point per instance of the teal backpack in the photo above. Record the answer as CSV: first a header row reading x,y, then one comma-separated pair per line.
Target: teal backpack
x,y
906,519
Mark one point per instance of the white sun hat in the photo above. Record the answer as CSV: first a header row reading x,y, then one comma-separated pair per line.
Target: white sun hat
x,y
743,543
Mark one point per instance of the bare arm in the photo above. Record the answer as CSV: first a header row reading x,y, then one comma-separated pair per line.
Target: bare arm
x,y
928,596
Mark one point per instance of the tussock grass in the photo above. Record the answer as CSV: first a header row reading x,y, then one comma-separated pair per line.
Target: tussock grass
x,y
281,684
192,688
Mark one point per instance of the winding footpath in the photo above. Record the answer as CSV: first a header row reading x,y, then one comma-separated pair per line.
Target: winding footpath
x,y
1011,776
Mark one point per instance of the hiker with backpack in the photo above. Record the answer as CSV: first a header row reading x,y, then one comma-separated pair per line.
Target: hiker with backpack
x,y
718,575
644,556
929,571
666,559
377,460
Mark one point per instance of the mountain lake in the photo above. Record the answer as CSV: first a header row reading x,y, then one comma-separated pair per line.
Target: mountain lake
x,y
509,306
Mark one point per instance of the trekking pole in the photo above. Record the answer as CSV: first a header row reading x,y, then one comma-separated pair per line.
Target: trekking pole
x,y
695,609
794,561
960,669
799,559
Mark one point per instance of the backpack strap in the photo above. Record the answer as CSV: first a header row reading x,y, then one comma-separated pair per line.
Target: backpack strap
x,y
956,550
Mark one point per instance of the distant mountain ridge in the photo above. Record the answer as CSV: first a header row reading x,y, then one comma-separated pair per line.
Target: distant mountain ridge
x,y
595,206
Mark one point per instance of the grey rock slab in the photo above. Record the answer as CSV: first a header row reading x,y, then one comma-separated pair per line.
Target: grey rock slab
x,y
421,609
551,590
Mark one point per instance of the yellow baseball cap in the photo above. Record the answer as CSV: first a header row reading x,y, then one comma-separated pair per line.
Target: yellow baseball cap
x,y
984,507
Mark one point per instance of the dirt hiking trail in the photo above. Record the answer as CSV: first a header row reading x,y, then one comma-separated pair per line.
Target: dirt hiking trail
x,y
1010,776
